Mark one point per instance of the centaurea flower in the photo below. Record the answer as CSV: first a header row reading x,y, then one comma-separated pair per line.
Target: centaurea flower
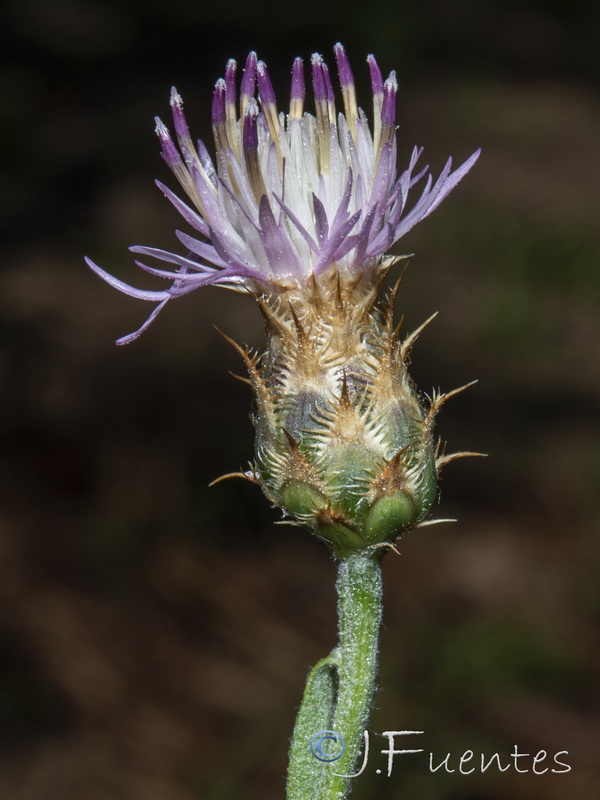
x,y
300,210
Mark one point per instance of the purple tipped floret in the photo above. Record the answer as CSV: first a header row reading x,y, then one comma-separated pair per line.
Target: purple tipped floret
x,y
265,87
318,80
298,85
218,104
181,127
249,77
388,110
376,76
169,152
250,128
230,82
327,80
343,65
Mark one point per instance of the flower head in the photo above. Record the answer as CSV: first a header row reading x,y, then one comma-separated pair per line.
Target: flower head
x,y
288,196
300,210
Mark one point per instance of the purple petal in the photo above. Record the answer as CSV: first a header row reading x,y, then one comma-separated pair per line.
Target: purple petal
x,y
297,224
206,162
202,249
189,215
326,254
381,181
265,87
415,214
428,200
219,225
318,80
388,110
406,180
376,76
172,258
140,294
344,69
183,278
345,247
181,128
169,152
172,276
384,239
131,337
328,87
230,85
243,197
342,211
363,234
248,79
298,92
218,105
321,223
222,245
282,256
429,197
452,181
250,136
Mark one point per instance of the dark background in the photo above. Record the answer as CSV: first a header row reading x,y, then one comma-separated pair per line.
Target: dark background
x,y
154,633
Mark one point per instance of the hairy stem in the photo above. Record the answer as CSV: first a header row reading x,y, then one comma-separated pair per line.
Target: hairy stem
x,y
338,693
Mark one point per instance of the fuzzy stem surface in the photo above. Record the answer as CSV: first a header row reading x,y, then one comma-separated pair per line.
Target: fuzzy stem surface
x,y
340,688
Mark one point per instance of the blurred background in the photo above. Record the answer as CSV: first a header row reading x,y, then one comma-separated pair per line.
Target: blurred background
x,y
155,634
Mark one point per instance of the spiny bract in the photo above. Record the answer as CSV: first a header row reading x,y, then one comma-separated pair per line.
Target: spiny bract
x,y
343,445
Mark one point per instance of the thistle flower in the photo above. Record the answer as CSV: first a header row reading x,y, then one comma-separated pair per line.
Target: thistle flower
x,y
300,210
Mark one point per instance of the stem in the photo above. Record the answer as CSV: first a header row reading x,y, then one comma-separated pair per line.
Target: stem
x,y
339,688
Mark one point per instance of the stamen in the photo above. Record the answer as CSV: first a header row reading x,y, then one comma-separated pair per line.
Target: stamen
x,y
269,107
388,109
250,130
267,99
348,87
330,94
388,121
230,110
298,92
318,82
322,108
181,128
219,115
250,139
248,82
169,152
377,88
174,161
